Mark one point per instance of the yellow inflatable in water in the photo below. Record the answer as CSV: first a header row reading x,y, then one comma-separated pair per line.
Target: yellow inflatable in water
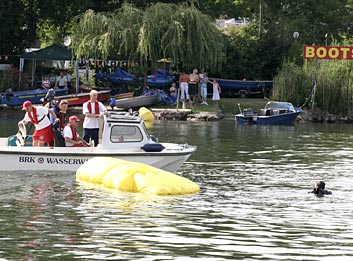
x,y
146,114
133,177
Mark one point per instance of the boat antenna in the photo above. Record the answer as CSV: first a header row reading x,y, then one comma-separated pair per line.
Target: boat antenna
x,y
311,97
239,108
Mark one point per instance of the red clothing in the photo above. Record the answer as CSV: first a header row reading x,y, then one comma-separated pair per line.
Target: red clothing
x,y
184,78
74,136
96,107
33,115
73,131
46,135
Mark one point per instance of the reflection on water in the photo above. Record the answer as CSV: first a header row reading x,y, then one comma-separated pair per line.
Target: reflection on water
x,y
253,204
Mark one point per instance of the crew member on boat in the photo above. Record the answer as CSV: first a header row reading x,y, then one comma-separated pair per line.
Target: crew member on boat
x,y
72,139
38,116
93,111
60,112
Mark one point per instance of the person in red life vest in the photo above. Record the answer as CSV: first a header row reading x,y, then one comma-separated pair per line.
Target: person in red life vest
x,y
38,116
93,111
72,139
60,112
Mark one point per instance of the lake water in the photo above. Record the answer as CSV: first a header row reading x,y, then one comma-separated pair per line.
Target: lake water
x,y
253,204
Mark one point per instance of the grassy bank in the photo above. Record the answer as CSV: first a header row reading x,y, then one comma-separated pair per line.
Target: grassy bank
x,y
227,105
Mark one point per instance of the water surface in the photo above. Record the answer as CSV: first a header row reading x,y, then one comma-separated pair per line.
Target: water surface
x,y
253,204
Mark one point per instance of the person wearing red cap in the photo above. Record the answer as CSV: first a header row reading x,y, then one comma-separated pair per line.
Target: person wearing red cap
x,y
38,116
93,111
72,139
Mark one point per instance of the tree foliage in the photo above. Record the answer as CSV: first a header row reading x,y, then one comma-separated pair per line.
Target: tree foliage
x,y
14,29
179,32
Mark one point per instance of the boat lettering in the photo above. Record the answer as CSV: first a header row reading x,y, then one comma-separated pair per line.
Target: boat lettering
x,y
66,161
27,159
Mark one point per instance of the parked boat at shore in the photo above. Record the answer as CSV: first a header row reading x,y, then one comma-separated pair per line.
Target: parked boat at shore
x,y
244,88
146,100
16,98
124,136
81,98
273,113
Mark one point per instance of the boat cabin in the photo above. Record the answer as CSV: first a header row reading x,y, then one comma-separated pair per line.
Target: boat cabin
x,y
121,130
124,130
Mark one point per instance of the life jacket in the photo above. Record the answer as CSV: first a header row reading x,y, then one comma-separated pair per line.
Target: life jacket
x,y
61,116
74,133
96,107
33,115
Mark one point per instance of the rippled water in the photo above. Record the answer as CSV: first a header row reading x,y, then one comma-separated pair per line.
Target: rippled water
x,y
253,204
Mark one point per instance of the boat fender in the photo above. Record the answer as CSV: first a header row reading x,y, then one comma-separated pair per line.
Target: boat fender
x,y
153,147
112,102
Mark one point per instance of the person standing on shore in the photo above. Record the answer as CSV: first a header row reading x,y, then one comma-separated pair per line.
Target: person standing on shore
x,y
216,93
38,116
184,86
204,81
93,111
201,76
193,85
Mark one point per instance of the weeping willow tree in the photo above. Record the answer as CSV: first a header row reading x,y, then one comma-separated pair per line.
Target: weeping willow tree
x,y
104,35
180,32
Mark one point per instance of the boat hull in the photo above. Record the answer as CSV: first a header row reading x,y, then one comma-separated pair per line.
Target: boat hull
x,y
17,98
238,87
137,102
81,98
70,159
288,118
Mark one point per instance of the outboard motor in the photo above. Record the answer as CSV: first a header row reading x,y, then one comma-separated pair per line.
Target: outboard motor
x,y
248,112
49,97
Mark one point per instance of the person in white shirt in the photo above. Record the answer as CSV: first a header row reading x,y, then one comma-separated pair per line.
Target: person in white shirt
x,y
93,111
38,116
72,139
61,81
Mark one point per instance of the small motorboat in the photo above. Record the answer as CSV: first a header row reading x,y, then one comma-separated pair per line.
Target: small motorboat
x,y
79,99
161,78
124,136
118,77
244,88
273,113
148,98
36,96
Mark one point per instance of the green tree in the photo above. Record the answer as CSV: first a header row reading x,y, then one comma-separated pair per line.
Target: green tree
x,y
180,32
13,27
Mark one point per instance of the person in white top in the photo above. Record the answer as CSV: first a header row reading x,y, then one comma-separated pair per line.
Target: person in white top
x,y
72,139
38,116
93,111
61,81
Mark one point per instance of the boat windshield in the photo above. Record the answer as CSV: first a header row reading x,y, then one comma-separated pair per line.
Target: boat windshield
x,y
125,133
280,106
